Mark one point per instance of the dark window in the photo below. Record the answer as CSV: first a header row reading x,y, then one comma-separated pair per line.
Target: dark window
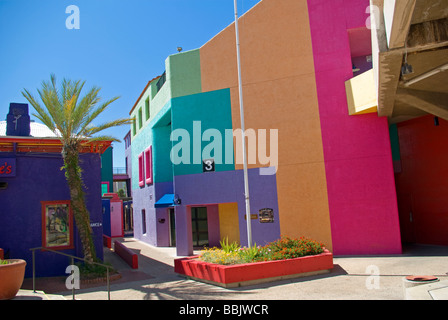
x,y
143,221
161,81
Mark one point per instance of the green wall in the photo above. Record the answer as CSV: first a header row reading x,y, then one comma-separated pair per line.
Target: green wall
x,y
184,73
107,167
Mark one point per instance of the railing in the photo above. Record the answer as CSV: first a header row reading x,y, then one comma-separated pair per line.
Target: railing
x,y
72,262
119,170
161,81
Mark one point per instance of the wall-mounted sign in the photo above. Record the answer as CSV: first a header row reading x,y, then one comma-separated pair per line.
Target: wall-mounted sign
x,y
57,226
208,165
266,215
7,167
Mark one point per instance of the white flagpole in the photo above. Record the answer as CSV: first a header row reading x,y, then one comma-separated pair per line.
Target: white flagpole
x,y
246,185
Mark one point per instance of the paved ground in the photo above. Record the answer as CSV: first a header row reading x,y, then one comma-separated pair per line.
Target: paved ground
x,y
353,278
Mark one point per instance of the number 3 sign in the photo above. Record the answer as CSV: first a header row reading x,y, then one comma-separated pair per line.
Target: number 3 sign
x,y
208,165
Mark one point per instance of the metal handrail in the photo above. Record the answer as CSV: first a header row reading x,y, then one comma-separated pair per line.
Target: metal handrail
x,y
72,260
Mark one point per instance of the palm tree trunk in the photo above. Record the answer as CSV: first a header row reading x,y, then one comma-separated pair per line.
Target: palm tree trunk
x,y
82,217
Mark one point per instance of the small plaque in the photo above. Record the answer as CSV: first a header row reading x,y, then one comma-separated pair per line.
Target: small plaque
x,y
208,165
266,215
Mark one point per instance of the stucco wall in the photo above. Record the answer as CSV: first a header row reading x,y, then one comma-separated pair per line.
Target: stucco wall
x,y
39,178
357,151
279,93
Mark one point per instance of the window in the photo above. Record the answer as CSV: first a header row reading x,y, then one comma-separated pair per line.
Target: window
x,y
148,165
140,118
143,221
161,82
147,108
57,225
126,165
134,127
104,187
141,181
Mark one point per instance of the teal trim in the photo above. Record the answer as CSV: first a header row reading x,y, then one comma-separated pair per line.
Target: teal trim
x,y
394,142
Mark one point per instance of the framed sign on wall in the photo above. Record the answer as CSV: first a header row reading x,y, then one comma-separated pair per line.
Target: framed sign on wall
x,y
57,225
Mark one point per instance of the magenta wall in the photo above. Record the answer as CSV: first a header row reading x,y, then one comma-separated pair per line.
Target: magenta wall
x,y
357,153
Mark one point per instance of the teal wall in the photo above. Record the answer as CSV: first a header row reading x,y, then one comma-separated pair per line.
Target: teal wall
x,y
161,129
107,167
179,102
394,141
213,110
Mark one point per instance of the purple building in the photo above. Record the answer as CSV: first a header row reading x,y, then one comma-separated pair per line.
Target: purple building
x,y
35,206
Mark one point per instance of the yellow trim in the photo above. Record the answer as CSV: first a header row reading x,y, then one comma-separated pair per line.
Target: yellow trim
x,y
361,94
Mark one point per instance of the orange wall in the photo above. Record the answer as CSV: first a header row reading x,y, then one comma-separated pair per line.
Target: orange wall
x,y
279,93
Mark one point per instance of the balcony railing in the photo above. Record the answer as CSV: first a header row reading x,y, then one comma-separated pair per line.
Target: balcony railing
x,y
161,81
119,170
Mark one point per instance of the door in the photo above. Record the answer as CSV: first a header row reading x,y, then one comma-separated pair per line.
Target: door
x,y
172,228
407,218
199,226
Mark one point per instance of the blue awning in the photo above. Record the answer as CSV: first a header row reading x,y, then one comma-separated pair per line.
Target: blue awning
x,y
166,201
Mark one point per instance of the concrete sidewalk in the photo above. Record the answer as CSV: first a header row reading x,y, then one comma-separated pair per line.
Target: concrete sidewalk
x,y
353,278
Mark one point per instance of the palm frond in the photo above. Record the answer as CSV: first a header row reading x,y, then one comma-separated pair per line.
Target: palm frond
x,y
115,123
69,115
93,115
99,139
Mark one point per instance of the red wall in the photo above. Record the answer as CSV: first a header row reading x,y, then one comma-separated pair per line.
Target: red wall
x,y
422,185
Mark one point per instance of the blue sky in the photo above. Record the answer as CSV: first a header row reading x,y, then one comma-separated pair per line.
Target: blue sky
x,y
120,45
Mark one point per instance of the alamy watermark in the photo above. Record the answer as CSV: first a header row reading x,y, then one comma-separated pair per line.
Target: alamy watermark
x,y
373,280
188,149
72,281
73,20
373,22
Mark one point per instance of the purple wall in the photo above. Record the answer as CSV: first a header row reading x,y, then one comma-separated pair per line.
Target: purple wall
x,y
39,178
223,187
157,233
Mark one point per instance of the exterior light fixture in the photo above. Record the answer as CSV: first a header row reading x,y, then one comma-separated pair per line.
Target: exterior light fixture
x,y
179,49
406,69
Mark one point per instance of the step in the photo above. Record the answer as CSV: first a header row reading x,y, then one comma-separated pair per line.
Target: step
x,y
38,295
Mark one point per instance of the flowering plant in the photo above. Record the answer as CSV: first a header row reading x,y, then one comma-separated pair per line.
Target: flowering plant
x,y
283,248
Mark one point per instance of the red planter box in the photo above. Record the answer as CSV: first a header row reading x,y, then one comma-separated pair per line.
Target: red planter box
x,y
126,254
251,273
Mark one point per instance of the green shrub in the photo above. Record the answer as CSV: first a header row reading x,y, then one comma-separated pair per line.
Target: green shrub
x,y
228,248
284,248
215,255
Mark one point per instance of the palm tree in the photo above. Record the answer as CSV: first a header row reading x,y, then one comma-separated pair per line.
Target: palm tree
x,y
71,118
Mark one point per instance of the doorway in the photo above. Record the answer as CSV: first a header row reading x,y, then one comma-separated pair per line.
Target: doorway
x,y
422,180
199,226
172,228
